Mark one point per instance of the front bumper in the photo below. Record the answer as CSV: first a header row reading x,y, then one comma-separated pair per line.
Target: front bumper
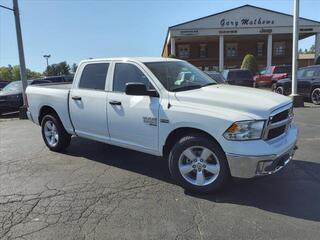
x,y
248,166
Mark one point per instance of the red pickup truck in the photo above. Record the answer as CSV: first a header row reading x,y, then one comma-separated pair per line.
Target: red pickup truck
x,y
271,74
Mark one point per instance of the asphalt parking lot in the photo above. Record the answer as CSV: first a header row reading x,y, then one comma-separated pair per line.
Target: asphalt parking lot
x,y
97,191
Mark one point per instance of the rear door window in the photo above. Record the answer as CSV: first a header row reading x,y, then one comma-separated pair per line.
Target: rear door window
x,y
94,76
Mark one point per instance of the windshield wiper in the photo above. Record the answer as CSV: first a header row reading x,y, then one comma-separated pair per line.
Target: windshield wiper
x,y
185,88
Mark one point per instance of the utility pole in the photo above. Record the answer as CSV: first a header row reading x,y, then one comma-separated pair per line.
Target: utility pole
x,y
23,71
297,99
47,56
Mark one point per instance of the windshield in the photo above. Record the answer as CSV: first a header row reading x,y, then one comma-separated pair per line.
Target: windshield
x,y
284,69
217,77
240,75
179,76
13,87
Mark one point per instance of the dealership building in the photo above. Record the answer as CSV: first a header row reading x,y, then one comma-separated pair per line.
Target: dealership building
x,y
222,40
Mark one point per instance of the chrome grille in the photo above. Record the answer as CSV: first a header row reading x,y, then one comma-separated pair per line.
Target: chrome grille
x,y
278,122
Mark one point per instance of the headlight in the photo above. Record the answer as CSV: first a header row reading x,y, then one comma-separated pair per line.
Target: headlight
x,y
244,130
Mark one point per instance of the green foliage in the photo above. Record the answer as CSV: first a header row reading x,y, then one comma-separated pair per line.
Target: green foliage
x,y
74,68
249,62
58,69
13,73
312,49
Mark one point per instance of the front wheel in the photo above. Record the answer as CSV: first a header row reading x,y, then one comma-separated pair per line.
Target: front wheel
x,y
199,164
53,133
280,90
315,96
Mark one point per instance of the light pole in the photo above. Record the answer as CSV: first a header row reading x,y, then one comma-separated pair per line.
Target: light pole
x,y
47,56
23,72
297,99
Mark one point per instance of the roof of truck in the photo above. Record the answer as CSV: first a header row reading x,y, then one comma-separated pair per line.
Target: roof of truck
x,y
136,59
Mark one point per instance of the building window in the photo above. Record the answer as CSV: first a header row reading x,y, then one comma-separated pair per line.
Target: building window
x,y
279,48
232,49
203,51
184,51
260,46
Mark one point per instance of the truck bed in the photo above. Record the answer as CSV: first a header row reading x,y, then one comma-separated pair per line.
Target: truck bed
x,y
51,95
66,86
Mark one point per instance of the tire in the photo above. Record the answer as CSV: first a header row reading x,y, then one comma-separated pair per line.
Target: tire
x,y
279,90
194,174
55,137
315,96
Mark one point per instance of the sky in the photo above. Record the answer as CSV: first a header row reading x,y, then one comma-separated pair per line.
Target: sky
x,y
72,30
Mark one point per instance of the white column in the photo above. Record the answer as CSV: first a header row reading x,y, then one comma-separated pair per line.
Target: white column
x,y
317,45
221,53
269,51
173,46
295,40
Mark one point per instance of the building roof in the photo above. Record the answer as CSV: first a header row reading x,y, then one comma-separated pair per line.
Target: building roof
x,y
243,6
213,21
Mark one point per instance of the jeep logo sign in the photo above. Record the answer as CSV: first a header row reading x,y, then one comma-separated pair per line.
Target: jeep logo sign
x,y
246,22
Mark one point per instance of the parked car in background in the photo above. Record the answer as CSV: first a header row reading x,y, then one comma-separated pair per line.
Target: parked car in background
x,y
11,95
308,79
218,77
62,78
3,84
240,77
272,74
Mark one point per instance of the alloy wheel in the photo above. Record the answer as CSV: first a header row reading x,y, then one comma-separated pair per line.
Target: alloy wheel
x,y
199,165
51,133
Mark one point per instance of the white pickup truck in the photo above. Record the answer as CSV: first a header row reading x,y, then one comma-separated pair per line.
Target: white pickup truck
x,y
207,131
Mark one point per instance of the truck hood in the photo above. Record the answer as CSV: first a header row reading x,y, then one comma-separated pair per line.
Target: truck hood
x,y
253,103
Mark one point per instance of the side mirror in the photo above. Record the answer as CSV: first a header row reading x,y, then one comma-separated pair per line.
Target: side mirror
x,y
139,89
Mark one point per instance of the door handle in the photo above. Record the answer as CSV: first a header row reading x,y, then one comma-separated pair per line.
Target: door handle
x,y
76,98
115,103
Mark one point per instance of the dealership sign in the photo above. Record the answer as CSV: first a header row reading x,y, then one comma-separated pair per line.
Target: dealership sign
x,y
244,22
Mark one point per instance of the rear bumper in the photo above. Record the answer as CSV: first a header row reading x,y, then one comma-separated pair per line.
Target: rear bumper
x,y
249,166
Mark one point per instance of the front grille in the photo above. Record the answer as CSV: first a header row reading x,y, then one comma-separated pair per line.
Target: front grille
x,y
278,124
280,116
276,132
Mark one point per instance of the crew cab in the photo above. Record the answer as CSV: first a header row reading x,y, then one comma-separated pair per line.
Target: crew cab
x,y
308,81
271,75
208,132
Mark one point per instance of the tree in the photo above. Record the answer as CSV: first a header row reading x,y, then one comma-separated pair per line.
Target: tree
x,y
13,73
249,62
74,68
5,74
312,49
61,68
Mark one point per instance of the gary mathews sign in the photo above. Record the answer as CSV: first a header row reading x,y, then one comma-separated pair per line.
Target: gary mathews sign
x,y
246,22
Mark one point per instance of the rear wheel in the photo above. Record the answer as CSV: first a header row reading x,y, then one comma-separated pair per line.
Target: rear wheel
x,y
199,164
53,133
315,96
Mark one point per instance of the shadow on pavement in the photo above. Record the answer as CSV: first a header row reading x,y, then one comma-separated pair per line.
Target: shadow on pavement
x,y
293,191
